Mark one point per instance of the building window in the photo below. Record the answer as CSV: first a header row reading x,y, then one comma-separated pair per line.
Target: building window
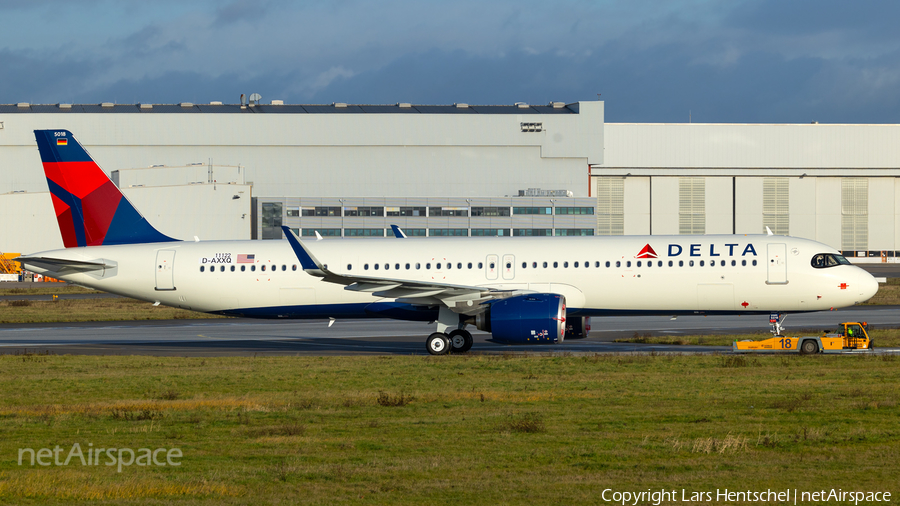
x,y
575,210
776,205
324,232
854,214
404,211
532,210
293,212
443,232
364,232
574,231
610,206
691,205
448,211
272,213
326,211
530,232
490,232
363,211
490,211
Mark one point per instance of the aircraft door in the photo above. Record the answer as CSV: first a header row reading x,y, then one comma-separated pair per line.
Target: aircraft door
x,y
509,266
776,263
165,269
491,267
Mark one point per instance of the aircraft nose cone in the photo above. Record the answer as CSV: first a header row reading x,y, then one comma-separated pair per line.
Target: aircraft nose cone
x,y
867,286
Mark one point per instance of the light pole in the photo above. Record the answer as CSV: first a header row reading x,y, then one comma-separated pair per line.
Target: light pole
x,y
342,217
553,218
469,214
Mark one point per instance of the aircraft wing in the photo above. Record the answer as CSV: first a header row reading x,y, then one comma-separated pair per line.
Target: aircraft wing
x,y
464,299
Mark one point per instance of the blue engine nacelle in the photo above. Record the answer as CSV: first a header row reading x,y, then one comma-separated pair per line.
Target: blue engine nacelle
x,y
535,318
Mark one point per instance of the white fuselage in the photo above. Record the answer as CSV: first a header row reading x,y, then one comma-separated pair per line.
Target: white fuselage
x,y
597,275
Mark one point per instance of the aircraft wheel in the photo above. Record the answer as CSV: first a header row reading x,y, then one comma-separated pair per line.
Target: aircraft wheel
x,y
461,340
809,347
438,344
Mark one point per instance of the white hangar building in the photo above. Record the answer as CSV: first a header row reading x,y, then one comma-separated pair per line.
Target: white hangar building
x,y
220,171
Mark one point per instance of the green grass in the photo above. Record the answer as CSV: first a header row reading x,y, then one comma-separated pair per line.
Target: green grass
x,y
503,429
888,294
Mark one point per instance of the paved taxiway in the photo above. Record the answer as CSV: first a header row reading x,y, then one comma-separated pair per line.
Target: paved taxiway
x,y
352,337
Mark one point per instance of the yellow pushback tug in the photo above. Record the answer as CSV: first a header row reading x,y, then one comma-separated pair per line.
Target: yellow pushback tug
x,y
851,337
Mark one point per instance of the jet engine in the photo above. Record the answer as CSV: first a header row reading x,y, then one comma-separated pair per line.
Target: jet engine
x,y
535,318
578,327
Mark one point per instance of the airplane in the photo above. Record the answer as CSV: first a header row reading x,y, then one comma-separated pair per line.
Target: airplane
x,y
523,290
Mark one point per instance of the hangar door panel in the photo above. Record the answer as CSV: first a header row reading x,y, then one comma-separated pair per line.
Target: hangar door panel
x,y
165,269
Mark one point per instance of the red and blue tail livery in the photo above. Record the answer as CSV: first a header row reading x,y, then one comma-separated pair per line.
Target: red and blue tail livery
x,y
90,209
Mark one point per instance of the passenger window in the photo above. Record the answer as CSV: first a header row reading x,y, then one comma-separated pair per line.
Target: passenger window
x,y
690,263
407,266
264,268
628,263
202,268
366,267
566,265
480,265
397,266
607,264
252,268
722,263
387,267
659,264
418,266
733,263
555,265
459,265
492,265
534,264
469,265
701,263
428,265
743,263
754,263
508,265
618,263
449,266
597,264
575,265
243,268
376,266
670,263
524,265
545,265
221,268
232,268
638,263
349,267
294,267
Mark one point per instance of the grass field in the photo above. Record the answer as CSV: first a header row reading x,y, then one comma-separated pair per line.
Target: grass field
x,y
507,429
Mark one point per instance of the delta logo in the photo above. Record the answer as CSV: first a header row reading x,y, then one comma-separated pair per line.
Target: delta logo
x,y
696,250
647,252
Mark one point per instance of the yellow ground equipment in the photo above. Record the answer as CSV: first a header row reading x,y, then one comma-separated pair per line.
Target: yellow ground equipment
x,y
851,337
7,265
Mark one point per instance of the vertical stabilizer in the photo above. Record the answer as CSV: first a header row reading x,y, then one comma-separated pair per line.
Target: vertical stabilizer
x,y
90,209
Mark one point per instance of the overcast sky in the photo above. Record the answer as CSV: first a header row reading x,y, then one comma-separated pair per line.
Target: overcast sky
x,y
779,61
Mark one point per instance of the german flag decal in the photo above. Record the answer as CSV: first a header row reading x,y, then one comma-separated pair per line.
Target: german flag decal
x,y
62,142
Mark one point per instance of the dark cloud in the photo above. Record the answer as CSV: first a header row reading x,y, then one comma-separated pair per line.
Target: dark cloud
x,y
864,18
240,10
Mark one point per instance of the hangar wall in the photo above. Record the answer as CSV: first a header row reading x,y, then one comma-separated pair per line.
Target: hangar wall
x,y
837,184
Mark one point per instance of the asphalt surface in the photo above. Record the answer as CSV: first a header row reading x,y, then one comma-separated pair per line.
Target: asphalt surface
x,y
236,337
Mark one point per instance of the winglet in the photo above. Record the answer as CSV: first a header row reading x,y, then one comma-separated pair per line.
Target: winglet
x,y
307,260
398,232
769,231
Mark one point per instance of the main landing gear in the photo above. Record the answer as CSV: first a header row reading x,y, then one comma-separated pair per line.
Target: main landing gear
x,y
442,342
459,341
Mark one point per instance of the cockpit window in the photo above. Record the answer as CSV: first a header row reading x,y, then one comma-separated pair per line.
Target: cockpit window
x,y
824,260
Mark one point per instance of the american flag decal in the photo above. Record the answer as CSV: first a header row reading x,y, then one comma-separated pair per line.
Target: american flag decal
x,y
246,259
